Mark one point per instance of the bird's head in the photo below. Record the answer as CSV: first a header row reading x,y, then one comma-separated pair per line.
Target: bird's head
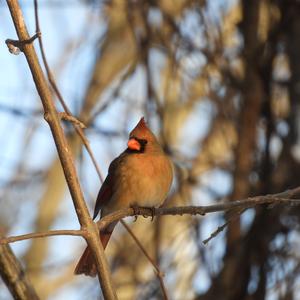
x,y
141,138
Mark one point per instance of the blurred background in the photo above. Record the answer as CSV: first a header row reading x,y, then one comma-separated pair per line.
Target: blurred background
x,y
218,81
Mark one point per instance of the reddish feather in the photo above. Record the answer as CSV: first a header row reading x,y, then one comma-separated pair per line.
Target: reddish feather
x,y
86,264
104,195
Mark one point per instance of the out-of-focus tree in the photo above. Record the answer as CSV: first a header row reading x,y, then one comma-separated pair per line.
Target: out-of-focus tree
x,y
218,81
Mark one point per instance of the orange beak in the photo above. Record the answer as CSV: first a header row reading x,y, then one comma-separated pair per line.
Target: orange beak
x,y
133,144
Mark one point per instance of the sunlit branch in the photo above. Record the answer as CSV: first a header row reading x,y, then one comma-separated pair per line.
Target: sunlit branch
x,y
27,236
271,200
194,210
63,149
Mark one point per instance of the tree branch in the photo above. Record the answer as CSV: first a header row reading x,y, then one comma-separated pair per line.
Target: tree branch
x,y
27,236
238,206
195,210
158,273
52,117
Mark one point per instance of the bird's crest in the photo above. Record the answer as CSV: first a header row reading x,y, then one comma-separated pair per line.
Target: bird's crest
x,y
142,124
141,129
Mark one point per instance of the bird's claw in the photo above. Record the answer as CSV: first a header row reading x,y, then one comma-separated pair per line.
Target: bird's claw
x,y
135,212
152,213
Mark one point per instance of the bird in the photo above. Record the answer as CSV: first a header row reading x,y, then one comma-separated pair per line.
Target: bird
x,y
141,176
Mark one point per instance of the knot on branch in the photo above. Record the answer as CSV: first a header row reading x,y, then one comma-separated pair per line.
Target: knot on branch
x,y
47,116
16,46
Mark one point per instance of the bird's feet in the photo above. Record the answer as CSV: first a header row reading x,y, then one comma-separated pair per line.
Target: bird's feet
x,y
152,212
136,211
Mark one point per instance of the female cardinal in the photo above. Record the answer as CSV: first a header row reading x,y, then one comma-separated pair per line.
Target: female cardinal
x,y
140,176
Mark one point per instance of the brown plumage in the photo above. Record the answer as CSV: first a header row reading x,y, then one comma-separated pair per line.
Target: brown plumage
x,y
140,176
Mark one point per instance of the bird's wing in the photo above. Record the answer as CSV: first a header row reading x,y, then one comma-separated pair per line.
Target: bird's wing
x,y
108,186
104,195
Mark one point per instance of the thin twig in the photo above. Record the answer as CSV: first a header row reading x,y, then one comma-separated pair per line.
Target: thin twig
x,y
158,273
27,236
77,126
65,116
233,217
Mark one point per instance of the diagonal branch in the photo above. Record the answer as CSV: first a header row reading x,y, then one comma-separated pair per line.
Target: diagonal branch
x,y
67,161
158,273
78,126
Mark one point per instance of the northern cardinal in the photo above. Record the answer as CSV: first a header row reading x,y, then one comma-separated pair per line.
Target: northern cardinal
x,y
140,176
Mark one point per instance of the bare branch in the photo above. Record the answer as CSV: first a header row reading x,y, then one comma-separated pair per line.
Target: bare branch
x,y
65,116
244,204
233,217
158,273
238,206
51,116
22,237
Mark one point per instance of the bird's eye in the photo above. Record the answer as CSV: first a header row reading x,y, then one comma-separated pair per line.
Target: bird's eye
x,y
143,142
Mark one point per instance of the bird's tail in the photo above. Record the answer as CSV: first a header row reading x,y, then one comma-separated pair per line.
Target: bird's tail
x,y
86,264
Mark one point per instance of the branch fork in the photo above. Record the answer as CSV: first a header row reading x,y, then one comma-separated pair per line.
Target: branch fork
x,y
67,117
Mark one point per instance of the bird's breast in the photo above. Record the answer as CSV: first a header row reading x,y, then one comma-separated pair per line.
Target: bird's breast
x,y
145,180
